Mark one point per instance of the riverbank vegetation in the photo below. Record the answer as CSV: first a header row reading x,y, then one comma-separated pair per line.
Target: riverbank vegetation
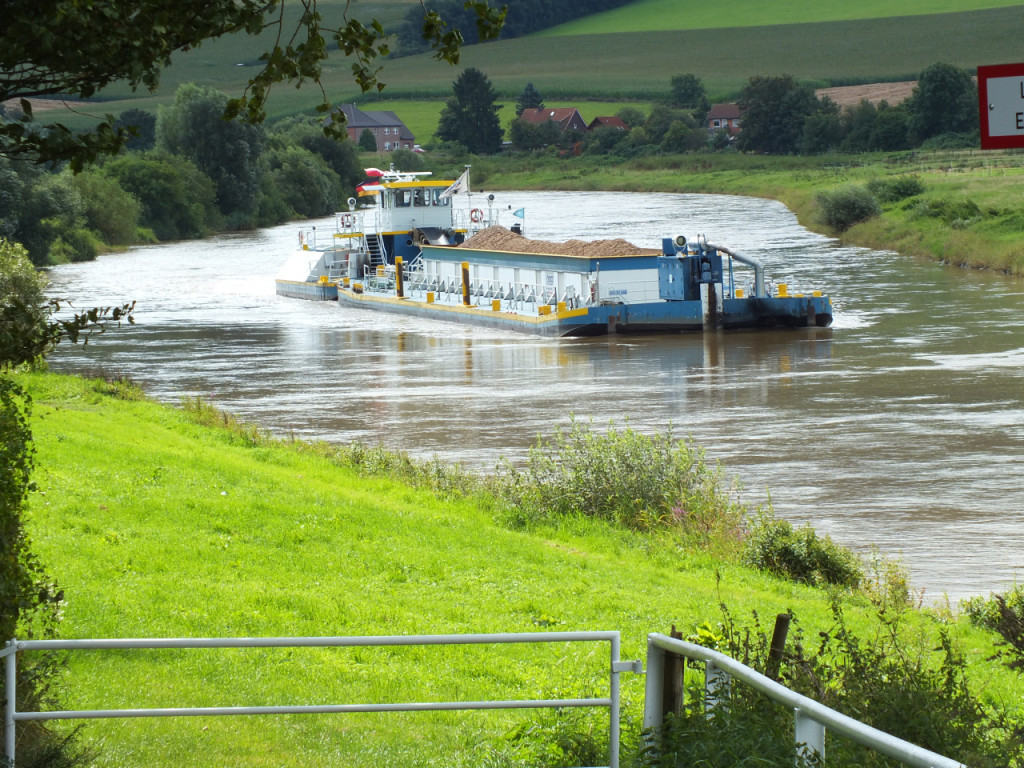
x,y
190,174
158,522
967,212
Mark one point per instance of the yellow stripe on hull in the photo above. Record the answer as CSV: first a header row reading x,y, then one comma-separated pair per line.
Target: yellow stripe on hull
x,y
461,309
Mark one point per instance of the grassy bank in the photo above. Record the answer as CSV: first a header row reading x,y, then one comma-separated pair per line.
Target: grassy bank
x,y
969,213
157,525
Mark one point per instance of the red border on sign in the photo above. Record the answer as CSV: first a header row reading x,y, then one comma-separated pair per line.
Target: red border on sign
x,y
984,73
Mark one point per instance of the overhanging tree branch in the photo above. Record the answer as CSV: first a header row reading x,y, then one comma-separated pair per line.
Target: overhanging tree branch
x,y
72,49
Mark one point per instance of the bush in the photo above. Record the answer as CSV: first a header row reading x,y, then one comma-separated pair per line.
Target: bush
x,y
1003,614
846,206
894,189
639,481
554,738
800,554
177,200
51,206
78,244
967,140
30,603
109,211
407,160
23,317
445,480
747,733
302,180
367,141
955,213
904,684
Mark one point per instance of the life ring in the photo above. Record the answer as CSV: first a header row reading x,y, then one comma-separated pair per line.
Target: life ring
x,y
346,219
476,215
301,238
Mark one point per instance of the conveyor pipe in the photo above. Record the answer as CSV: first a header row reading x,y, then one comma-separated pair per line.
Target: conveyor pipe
x,y
749,261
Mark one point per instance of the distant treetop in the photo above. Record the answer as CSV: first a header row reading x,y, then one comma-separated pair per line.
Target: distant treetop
x,y
70,49
528,99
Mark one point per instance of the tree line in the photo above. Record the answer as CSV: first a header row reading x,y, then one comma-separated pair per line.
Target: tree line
x,y
779,116
186,174
189,172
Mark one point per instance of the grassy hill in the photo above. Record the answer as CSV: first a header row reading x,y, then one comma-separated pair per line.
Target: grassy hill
x,y
158,526
632,65
657,15
636,65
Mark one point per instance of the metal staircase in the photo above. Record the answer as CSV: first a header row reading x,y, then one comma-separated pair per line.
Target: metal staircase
x,y
375,247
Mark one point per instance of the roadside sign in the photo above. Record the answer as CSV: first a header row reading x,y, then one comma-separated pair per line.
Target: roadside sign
x,y
1001,106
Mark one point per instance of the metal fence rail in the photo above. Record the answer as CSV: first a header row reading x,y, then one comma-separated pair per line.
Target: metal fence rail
x,y
612,702
811,717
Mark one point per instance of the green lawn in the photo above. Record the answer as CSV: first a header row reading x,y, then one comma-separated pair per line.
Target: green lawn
x,y
157,527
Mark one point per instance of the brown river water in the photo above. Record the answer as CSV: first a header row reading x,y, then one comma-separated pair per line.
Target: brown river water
x,y
900,427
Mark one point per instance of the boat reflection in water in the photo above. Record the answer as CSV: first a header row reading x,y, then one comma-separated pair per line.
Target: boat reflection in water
x,y
462,393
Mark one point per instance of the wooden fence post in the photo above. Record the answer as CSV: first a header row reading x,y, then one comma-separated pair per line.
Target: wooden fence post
x,y
672,680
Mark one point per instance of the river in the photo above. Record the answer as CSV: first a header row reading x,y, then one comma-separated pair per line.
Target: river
x,y
900,427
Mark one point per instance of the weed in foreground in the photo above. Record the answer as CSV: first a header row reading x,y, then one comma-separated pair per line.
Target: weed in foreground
x,y
205,413
897,681
444,479
1004,614
799,554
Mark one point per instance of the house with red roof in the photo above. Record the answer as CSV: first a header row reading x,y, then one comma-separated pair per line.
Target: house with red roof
x,y
566,118
607,122
389,131
724,117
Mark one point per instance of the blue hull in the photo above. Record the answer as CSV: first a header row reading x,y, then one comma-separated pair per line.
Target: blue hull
x,y
649,317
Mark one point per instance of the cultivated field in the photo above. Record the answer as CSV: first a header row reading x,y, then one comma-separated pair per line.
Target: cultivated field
x,y
631,66
852,95
654,15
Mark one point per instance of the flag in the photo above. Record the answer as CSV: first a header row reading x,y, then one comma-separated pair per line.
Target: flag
x,y
458,184
520,214
368,187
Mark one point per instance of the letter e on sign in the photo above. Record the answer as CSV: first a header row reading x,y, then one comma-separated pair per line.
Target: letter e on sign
x,y
1001,106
